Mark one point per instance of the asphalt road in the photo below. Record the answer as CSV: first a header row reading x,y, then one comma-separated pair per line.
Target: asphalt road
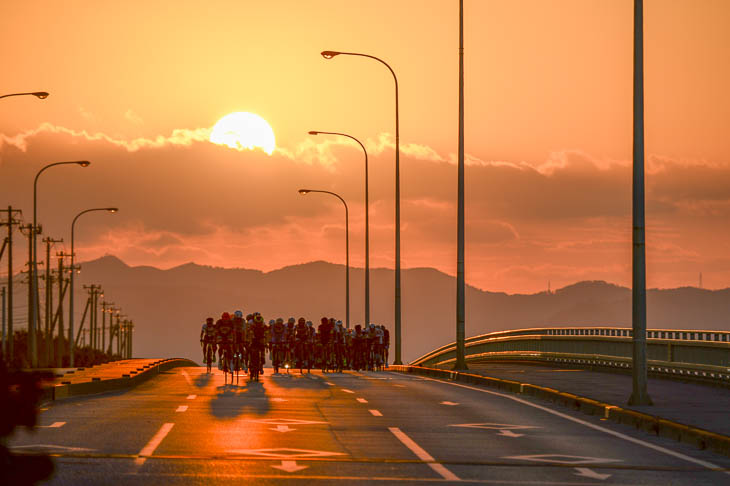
x,y
187,427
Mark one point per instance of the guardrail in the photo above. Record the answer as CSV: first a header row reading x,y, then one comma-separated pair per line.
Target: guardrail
x,y
672,352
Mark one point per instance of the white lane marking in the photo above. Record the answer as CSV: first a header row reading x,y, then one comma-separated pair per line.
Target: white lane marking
x,y
285,453
328,383
50,448
187,377
148,449
277,399
192,397
589,473
563,459
449,403
509,433
54,425
289,466
362,400
283,428
399,386
625,437
375,413
423,455
347,391
284,421
182,408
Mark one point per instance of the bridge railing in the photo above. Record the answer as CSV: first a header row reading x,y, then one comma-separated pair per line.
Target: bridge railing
x,y
688,353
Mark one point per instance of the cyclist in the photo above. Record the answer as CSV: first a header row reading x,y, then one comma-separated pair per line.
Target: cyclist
x,y
207,338
239,329
386,344
226,339
291,342
277,341
325,332
258,341
338,341
301,336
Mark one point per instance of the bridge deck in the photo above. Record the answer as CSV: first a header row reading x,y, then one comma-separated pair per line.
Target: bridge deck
x,y
698,405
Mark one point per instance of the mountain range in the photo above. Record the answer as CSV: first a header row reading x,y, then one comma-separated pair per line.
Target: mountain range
x,y
169,306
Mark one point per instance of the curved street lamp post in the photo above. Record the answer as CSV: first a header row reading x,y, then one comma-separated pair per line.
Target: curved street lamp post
x,y
32,317
42,95
330,55
71,283
367,221
347,249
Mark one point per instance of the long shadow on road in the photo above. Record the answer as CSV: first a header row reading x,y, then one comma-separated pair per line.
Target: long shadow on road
x,y
249,397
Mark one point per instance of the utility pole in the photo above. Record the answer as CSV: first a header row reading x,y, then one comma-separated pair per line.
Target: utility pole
x,y
460,363
130,331
112,329
59,350
104,305
49,292
32,351
119,333
639,372
2,350
94,292
10,356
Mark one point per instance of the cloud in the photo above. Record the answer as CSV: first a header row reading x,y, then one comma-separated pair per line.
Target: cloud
x,y
133,117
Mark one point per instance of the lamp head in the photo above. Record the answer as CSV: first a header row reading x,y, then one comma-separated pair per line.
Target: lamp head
x,y
84,163
330,54
40,95
313,132
112,210
304,191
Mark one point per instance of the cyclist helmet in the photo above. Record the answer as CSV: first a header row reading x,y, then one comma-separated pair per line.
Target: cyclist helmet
x,y
258,319
309,323
339,323
278,320
292,320
238,313
302,320
209,320
324,320
225,316
272,322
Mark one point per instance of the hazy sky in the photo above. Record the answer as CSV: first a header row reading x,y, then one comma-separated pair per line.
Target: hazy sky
x,y
136,87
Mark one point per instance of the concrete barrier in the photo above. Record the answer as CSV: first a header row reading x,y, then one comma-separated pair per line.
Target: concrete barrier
x,y
700,438
106,378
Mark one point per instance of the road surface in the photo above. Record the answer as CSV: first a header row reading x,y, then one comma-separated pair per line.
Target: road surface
x,y
187,427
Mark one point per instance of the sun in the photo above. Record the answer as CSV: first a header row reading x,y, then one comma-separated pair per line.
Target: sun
x,y
243,130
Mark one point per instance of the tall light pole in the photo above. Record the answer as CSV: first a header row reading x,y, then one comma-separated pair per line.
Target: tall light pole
x,y
347,248
367,221
639,395
460,363
71,342
33,273
42,95
330,55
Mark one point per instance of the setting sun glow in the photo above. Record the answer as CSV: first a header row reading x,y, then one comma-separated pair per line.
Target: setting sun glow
x,y
242,130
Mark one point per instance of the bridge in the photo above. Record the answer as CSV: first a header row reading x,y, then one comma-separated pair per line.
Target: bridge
x,y
528,411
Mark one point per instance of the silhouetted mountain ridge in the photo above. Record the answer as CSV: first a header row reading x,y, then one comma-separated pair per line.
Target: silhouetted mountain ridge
x,y
168,306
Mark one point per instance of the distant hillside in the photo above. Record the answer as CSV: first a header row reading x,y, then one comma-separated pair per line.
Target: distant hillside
x,y
168,306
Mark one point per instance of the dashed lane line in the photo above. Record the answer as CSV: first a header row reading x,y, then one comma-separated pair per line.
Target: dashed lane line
x,y
619,435
54,425
423,455
182,408
148,449
192,397
376,413
347,391
362,400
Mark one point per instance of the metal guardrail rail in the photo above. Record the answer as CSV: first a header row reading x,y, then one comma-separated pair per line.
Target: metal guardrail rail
x,y
680,353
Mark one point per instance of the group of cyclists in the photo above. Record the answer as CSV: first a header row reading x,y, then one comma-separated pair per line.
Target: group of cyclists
x,y
242,344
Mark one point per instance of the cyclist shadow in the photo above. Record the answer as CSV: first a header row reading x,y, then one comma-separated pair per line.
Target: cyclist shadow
x,y
246,398
203,379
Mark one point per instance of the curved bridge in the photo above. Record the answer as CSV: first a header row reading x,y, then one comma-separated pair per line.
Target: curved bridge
x,y
703,355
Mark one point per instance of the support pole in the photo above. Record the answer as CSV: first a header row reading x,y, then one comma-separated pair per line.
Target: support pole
x,y
460,363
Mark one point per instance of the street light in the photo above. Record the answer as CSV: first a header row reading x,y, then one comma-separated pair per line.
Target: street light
x,y
71,283
38,94
330,55
33,274
347,249
367,222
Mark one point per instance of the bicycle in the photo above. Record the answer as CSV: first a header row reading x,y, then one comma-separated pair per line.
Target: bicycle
x,y
209,358
254,365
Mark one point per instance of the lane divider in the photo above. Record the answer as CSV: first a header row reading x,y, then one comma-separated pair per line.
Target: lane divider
x,y
192,397
148,449
347,391
376,413
423,455
362,400
182,408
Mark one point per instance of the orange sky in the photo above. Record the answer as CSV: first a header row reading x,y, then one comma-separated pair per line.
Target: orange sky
x,y
135,87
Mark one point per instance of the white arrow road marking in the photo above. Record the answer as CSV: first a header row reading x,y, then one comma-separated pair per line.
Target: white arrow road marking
x,y
192,397
283,428
563,459
448,403
423,455
290,466
54,425
285,421
589,473
495,426
285,453
509,433
376,413
148,449
362,400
